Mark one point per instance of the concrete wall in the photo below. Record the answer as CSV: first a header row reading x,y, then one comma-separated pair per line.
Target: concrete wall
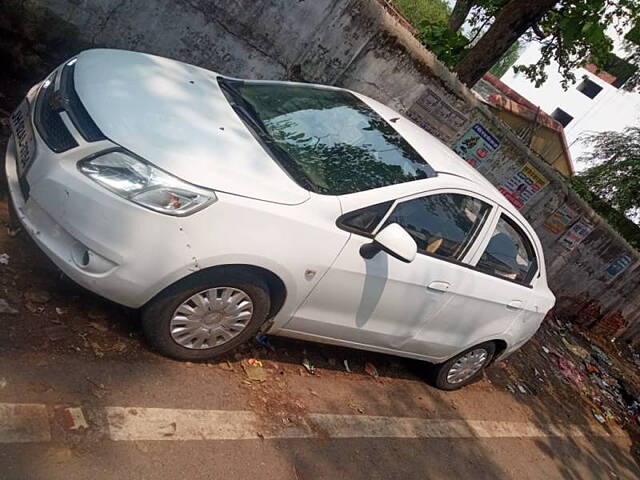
x,y
358,45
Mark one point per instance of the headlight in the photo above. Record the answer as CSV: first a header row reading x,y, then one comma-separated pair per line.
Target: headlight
x,y
144,184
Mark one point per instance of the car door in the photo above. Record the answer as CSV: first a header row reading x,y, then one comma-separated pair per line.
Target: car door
x,y
495,292
381,303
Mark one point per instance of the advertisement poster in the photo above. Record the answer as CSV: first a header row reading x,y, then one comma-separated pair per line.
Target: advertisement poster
x,y
523,185
477,145
576,234
619,265
560,219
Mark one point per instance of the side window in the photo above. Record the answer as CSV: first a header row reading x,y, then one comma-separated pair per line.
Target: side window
x,y
509,254
442,224
364,220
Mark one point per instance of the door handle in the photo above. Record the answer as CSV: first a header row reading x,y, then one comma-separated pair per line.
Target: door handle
x,y
439,286
515,305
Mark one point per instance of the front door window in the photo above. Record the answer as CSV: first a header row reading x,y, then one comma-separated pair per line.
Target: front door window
x,y
443,224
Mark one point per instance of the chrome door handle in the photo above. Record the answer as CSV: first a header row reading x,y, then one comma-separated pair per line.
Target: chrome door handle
x,y
515,305
439,286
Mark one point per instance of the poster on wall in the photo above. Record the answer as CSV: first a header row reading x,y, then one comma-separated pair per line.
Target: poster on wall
x,y
523,185
559,220
433,112
576,234
618,266
477,145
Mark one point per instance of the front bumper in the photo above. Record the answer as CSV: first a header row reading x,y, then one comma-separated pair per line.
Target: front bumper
x,y
104,243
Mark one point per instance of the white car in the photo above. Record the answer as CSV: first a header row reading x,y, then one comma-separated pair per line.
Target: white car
x,y
222,207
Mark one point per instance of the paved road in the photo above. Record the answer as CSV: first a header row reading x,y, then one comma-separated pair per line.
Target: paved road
x,y
64,416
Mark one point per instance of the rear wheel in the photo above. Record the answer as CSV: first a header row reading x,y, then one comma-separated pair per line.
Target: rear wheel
x,y
202,318
464,368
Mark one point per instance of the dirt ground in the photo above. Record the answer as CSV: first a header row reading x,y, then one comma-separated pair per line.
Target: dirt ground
x,y
63,345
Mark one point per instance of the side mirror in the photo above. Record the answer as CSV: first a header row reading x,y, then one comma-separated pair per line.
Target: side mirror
x,y
394,240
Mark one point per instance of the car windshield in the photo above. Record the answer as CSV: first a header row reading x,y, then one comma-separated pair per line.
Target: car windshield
x,y
328,140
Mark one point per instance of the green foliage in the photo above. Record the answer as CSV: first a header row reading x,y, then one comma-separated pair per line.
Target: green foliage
x,y
575,33
448,46
419,12
613,179
629,230
430,18
507,60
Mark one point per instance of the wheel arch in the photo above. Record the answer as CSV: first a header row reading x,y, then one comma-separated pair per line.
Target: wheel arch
x,y
277,287
501,346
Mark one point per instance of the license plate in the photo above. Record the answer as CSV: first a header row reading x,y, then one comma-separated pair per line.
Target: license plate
x,y
23,134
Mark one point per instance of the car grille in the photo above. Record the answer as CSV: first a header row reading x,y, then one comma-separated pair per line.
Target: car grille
x,y
48,122
50,103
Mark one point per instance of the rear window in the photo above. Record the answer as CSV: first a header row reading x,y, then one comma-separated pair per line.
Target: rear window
x,y
329,141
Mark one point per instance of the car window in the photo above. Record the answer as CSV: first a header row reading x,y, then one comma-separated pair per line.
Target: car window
x,y
442,224
364,220
509,254
329,141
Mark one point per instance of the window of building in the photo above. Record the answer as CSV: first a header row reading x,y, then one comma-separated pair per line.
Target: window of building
x,y
563,117
589,88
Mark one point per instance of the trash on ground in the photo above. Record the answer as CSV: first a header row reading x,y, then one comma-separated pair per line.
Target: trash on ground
x,y
568,370
6,308
226,365
600,355
38,296
57,332
95,384
75,418
98,351
263,340
576,350
98,326
59,454
13,232
310,367
522,389
370,369
3,383
346,366
61,311
254,370
599,418
34,308
546,350
4,259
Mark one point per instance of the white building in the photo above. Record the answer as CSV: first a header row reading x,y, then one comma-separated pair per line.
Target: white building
x,y
595,103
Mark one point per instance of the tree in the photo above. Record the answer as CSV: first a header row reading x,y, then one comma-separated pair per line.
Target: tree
x,y
512,21
614,175
507,60
571,32
459,14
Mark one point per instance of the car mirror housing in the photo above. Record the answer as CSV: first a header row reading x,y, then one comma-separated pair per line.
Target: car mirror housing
x,y
394,240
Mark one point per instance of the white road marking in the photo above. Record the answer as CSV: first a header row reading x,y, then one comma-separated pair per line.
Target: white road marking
x,y
30,423
169,424
175,424
24,422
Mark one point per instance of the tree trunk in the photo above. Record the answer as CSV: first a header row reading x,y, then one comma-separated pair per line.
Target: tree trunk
x,y
513,20
459,14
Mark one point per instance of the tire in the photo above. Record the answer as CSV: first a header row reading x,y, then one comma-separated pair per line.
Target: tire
x,y
441,372
158,313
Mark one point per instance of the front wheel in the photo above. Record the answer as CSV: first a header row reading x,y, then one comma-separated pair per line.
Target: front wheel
x,y
464,368
202,318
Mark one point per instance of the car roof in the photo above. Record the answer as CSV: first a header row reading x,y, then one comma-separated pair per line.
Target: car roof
x,y
441,158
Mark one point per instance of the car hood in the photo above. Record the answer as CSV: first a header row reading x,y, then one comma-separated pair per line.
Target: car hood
x,y
175,116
